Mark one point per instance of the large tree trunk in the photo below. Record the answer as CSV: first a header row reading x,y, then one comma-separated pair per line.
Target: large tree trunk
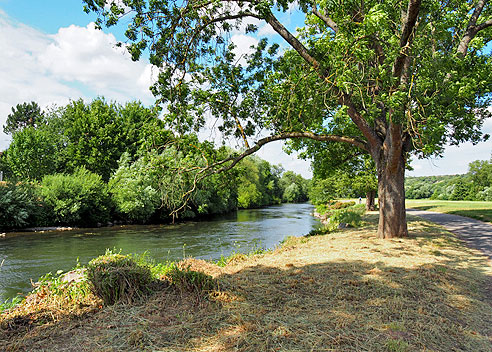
x,y
390,164
391,200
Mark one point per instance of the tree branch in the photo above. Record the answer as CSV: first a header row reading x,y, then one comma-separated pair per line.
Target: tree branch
x,y
327,20
287,135
360,122
472,28
293,41
405,39
484,25
211,169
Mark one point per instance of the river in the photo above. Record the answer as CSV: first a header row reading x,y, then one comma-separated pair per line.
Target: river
x,y
27,256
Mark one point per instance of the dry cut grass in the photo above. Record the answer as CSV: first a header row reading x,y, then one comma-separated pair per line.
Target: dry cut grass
x,y
345,291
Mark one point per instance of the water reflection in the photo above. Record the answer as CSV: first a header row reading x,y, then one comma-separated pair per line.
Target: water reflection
x,y
27,256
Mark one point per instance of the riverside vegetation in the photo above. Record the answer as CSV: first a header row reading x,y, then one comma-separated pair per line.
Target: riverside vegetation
x,y
343,290
84,164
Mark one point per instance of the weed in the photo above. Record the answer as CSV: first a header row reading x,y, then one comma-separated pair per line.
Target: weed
x,y
394,345
9,304
237,256
58,286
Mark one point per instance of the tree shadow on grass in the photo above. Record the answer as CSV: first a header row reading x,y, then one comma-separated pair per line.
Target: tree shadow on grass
x,y
331,306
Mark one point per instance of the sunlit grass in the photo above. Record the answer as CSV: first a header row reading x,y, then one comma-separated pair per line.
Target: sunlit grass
x,y
472,209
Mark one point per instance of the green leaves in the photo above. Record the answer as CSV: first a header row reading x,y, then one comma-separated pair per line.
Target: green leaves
x,y
79,199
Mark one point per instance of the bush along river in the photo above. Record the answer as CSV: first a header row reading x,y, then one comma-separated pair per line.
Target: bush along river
x,y
24,257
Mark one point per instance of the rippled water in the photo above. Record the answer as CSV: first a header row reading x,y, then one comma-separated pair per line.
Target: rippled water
x,y
27,256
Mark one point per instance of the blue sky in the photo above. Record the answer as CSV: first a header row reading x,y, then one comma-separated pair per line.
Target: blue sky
x,y
50,53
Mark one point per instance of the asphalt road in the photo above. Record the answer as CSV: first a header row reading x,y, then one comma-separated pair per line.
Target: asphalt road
x,y
476,233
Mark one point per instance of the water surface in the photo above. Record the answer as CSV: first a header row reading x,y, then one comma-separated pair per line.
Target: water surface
x,y
27,256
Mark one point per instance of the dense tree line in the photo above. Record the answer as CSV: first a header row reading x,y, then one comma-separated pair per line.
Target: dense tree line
x,y
389,79
476,184
89,163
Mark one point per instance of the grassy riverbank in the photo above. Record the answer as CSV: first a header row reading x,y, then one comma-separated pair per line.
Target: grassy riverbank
x,y
344,291
472,209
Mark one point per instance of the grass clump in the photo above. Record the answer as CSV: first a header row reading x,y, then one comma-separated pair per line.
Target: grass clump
x,y
187,280
115,277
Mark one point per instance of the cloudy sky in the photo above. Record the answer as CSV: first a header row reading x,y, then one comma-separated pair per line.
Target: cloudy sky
x,y
50,53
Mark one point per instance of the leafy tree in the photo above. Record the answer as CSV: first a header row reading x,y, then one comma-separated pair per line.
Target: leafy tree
x,y
92,135
4,167
23,115
33,153
258,183
133,190
292,194
353,176
97,134
322,190
480,173
390,78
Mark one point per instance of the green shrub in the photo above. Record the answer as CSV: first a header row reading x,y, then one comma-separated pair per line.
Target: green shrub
x,y
351,216
317,232
342,205
77,199
326,208
115,277
19,206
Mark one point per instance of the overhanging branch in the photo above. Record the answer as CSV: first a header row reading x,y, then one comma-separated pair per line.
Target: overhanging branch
x,y
215,168
287,135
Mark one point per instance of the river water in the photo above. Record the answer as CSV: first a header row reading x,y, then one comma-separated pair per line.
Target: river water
x,y
27,256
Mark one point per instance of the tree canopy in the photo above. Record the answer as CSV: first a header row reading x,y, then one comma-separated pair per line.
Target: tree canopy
x,y
23,115
389,79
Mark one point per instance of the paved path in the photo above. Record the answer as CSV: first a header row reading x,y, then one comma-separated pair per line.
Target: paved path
x,y
476,233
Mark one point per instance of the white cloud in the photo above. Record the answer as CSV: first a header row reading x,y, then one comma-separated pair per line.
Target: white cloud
x,y
274,154
90,56
243,46
266,30
77,62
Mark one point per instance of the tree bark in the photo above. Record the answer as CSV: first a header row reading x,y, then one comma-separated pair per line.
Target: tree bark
x,y
391,199
370,200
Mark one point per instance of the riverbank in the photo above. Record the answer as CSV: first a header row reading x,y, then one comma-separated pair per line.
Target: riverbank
x,y
344,291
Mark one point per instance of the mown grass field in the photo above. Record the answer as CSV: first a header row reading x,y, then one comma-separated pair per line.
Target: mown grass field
x,y
343,291
472,209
